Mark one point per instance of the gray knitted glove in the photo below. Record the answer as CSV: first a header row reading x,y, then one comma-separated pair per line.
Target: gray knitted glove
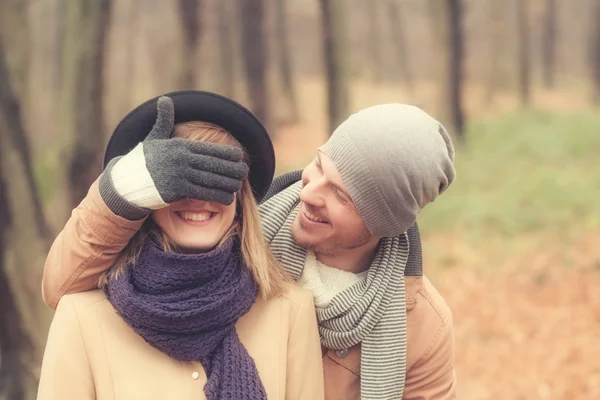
x,y
179,169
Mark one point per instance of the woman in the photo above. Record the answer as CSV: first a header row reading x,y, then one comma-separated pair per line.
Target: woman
x,y
195,307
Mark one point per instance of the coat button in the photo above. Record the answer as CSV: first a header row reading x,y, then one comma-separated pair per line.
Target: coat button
x,y
195,375
342,353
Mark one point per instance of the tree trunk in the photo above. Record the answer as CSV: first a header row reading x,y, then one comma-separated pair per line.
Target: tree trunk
x,y
13,340
25,242
455,75
374,43
524,54
397,24
58,45
126,82
189,12
82,92
283,55
595,53
10,109
15,30
447,20
496,21
226,49
254,52
549,44
333,21
24,251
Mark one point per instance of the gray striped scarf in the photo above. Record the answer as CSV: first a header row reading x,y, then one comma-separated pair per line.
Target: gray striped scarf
x,y
372,312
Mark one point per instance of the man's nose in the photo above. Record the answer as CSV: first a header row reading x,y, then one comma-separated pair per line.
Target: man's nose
x,y
312,193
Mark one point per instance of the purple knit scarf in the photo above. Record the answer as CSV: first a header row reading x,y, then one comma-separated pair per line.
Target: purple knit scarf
x,y
187,306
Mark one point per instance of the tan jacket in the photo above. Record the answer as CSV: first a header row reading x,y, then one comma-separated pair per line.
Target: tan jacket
x,y
92,353
94,236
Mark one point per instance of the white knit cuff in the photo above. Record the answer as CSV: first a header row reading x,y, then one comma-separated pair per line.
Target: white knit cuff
x,y
133,182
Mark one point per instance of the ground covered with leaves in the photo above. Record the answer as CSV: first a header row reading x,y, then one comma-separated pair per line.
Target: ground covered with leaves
x,y
527,323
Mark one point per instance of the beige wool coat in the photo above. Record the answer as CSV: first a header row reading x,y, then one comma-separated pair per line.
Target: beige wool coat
x,y
92,353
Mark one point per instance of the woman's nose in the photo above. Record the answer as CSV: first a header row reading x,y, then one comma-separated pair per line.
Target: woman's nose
x,y
195,202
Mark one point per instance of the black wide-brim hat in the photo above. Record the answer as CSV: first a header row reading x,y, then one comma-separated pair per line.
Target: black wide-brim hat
x,y
196,105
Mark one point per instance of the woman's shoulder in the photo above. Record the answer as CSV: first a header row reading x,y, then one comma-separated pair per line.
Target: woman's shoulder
x,y
83,301
292,304
90,309
297,296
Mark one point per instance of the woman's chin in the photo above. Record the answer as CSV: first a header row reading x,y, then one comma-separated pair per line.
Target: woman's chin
x,y
190,247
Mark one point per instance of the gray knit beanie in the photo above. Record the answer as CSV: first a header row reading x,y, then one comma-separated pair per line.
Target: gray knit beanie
x,y
394,159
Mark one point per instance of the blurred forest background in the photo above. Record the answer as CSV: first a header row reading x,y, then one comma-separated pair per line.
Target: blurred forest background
x,y
513,246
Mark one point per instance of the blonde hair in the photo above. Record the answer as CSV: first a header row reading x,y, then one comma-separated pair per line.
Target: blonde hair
x,y
256,255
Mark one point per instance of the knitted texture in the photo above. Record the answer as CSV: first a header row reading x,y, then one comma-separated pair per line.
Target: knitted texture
x,y
394,159
115,201
371,312
187,307
133,182
326,282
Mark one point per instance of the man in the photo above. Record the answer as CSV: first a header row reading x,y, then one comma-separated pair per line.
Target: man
x,y
344,229
341,232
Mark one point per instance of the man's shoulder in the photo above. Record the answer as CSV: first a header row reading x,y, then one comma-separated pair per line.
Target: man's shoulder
x,y
430,356
434,301
429,321
282,182
427,312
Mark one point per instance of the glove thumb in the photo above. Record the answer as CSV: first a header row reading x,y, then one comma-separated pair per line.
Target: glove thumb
x,y
165,119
